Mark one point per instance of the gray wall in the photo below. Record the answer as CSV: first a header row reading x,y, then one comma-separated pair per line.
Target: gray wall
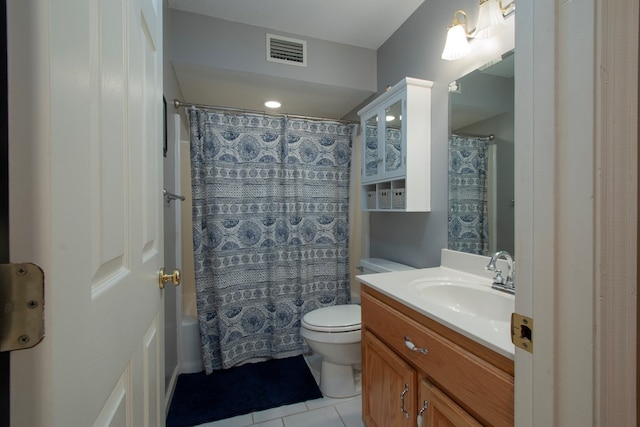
x,y
414,50
242,48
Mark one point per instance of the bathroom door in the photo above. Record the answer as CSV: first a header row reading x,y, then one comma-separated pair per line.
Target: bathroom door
x,y
86,206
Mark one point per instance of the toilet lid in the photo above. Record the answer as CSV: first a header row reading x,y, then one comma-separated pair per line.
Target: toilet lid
x,y
337,318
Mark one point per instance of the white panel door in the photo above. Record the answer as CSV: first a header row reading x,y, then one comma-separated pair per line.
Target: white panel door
x,y
86,179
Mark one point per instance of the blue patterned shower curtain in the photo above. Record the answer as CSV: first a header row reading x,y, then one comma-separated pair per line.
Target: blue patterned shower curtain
x,y
270,210
468,206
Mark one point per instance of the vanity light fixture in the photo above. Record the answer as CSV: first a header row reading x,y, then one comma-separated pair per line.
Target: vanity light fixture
x,y
390,118
272,104
457,44
490,19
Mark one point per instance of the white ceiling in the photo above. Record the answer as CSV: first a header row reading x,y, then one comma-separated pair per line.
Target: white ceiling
x,y
362,23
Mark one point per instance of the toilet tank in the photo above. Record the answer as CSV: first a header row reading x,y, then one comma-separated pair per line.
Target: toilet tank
x,y
379,265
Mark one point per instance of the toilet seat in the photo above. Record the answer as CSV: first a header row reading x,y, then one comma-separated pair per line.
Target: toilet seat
x,y
337,318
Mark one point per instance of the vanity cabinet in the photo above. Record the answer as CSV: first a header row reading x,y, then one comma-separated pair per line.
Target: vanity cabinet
x,y
396,148
411,361
388,383
440,411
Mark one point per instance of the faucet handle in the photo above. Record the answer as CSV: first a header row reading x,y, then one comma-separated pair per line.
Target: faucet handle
x,y
499,279
492,267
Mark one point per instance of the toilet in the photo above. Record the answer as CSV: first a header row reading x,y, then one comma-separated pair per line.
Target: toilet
x,y
334,333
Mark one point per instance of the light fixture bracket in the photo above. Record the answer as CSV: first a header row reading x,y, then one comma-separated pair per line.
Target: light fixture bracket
x,y
455,20
506,11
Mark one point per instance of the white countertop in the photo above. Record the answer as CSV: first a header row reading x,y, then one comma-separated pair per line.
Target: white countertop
x,y
493,334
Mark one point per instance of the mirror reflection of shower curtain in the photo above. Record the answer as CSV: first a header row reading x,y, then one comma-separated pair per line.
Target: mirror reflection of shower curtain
x,y
468,195
492,196
270,230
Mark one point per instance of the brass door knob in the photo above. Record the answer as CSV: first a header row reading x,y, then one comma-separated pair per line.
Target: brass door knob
x,y
164,278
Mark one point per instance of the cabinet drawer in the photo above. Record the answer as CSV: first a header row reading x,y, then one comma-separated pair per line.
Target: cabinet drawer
x,y
476,385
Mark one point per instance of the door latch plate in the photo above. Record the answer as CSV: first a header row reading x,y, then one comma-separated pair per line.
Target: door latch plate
x,y
522,332
21,306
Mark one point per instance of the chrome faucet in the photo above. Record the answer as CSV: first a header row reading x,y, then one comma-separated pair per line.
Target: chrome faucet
x,y
499,281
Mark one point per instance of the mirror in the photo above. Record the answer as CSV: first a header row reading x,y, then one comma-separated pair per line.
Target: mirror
x,y
481,174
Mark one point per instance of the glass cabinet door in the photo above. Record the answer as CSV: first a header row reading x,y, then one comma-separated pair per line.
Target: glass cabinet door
x,y
371,157
393,137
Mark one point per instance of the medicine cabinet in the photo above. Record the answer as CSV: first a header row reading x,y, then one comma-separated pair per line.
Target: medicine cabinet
x,y
396,153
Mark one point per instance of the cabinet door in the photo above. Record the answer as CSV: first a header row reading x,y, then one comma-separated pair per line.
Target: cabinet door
x,y
371,157
388,386
440,411
385,141
394,146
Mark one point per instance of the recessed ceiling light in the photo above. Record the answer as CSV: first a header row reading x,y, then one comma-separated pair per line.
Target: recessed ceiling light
x,y
272,104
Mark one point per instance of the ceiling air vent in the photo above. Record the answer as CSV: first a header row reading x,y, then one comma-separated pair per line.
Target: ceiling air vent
x,y
286,50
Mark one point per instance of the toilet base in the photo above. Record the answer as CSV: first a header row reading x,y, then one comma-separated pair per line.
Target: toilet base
x,y
337,381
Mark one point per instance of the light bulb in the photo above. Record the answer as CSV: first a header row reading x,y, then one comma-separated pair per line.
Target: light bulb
x,y
457,44
272,104
490,20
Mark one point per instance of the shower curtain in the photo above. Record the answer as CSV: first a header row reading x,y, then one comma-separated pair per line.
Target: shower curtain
x,y
270,230
468,206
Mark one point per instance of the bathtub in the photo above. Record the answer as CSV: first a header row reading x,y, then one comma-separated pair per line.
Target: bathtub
x,y
191,359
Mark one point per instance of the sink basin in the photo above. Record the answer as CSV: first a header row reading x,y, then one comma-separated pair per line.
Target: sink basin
x,y
466,297
461,301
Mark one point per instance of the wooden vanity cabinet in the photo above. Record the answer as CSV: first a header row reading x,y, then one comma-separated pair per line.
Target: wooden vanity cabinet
x,y
463,382
440,411
385,377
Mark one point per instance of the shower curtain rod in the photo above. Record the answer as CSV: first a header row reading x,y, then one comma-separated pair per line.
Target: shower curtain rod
x,y
491,136
177,103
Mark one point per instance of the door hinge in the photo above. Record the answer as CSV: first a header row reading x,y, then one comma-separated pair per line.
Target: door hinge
x,y
522,332
21,306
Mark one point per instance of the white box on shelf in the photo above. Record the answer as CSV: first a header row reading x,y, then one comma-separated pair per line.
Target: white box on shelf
x,y
397,200
371,199
384,199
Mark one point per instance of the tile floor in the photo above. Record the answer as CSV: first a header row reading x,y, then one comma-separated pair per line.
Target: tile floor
x,y
324,412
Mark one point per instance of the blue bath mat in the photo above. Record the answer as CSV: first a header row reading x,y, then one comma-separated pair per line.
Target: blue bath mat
x,y
201,398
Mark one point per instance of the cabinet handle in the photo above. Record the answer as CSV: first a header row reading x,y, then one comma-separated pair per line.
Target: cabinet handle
x,y
425,405
405,391
411,346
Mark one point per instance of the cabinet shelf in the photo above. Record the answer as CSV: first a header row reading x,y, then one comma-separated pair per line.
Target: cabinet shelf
x,y
386,195
396,149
